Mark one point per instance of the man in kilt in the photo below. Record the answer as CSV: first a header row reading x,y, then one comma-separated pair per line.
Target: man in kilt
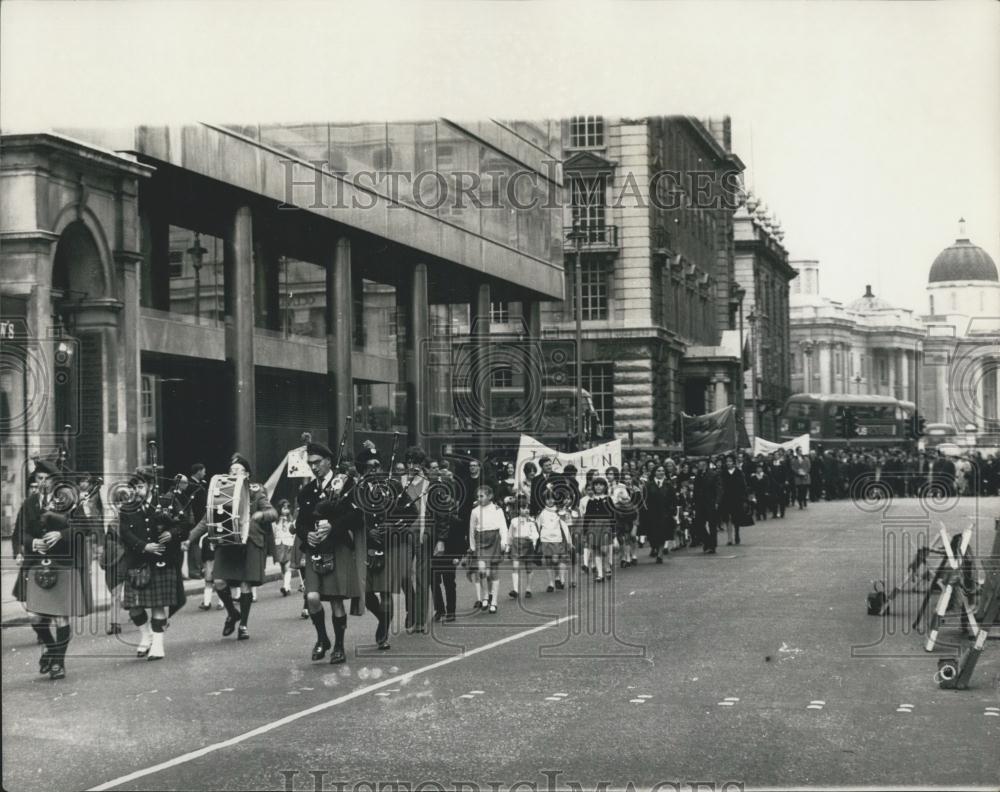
x,y
242,565
55,572
330,530
151,535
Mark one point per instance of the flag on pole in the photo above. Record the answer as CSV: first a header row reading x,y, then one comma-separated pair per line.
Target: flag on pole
x,y
711,433
284,482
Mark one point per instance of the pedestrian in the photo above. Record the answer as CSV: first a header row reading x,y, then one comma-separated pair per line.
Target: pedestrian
x,y
707,497
488,542
415,488
151,535
450,544
283,532
197,492
387,552
523,538
599,528
656,515
800,469
734,494
554,542
330,530
760,487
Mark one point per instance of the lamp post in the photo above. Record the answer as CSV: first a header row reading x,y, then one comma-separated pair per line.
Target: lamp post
x,y
576,236
739,293
752,320
197,253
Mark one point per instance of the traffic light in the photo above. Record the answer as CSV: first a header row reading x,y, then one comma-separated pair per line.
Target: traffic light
x,y
850,424
840,423
921,426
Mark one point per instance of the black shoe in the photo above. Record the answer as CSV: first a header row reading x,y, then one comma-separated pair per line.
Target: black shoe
x,y
449,617
527,595
512,594
230,626
559,585
320,649
652,554
337,657
114,629
712,551
659,560
585,568
44,663
57,671
243,634
438,616
284,591
477,606
550,589
635,562
304,614
203,606
382,646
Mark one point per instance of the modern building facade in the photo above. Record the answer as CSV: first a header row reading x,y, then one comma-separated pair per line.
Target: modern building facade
x,y
227,288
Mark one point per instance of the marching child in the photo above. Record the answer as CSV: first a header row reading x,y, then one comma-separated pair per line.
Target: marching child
x,y
488,542
523,538
554,538
599,526
284,541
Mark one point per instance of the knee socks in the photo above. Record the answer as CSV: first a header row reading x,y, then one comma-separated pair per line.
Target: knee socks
x,y
42,631
339,628
58,649
227,599
319,622
246,600
159,625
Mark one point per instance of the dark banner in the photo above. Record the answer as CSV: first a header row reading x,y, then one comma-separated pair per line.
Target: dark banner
x,y
712,433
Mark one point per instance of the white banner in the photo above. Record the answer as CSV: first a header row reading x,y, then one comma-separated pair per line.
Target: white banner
x,y
762,446
298,467
599,457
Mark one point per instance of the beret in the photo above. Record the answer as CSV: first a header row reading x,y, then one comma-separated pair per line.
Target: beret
x,y
318,449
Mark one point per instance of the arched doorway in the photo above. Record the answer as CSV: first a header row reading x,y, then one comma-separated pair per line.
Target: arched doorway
x,y
78,279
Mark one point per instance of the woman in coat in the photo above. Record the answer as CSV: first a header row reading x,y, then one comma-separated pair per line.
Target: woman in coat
x,y
656,517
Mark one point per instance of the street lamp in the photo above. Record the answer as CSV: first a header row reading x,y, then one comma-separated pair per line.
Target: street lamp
x,y
752,319
739,293
576,236
197,253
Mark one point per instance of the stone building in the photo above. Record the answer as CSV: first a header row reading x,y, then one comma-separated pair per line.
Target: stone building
x,y
221,288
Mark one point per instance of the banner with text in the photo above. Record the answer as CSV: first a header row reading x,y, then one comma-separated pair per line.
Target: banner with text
x,y
712,433
599,457
761,446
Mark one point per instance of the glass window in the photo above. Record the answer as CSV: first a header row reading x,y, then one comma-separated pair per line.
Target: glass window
x,y
499,215
375,318
458,163
598,380
594,290
197,274
302,301
147,398
588,200
500,312
359,147
586,132
310,142
412,151
502,377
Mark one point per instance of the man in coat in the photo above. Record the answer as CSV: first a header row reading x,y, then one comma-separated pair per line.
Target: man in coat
x,y
707,497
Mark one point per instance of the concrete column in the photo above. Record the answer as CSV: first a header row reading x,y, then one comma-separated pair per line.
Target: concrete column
x,y
892,372
807,354
339,345
129,357
418,331
904,369
979,413
944,404
479,394
240,340
531,313
720,393
824,367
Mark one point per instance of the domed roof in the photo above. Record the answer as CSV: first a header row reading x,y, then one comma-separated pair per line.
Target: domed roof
x,y
868,303
963,261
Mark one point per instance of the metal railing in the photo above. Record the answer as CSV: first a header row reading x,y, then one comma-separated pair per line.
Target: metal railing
x,y
593,236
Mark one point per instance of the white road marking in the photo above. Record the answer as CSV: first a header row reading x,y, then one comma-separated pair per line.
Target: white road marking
x,y
992,714
727,703
476,692
467,696
637,701
553,698
268,727
731,698
383,694
560,695
644,696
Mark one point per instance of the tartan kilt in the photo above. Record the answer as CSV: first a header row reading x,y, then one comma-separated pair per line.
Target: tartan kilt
x,y
240,563
71,595
161,591
488,547
398,566
282,553
523,549
600,536
344,581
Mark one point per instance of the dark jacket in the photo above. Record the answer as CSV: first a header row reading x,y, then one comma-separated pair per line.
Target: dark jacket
x,y
141,525
707,490
316,503
659,504
734,489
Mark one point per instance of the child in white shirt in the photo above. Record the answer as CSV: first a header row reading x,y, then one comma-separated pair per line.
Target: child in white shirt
x,y
487,543
553,534
523,539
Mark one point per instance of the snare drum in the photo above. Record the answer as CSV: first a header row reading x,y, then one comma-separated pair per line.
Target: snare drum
x,y
227,510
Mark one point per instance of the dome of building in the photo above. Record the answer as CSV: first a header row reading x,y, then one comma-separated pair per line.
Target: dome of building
x,y
963,261
869,303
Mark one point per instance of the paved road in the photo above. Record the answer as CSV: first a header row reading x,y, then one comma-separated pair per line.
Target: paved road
x,y
757,665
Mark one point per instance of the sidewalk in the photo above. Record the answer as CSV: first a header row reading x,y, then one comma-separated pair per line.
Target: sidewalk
x,y
12,612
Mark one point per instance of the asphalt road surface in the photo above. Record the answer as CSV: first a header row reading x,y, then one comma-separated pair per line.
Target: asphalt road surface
x,y
756,666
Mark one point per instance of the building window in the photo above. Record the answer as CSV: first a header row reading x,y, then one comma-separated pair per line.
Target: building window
x,y
594,291
586,132
883,371
588,198
147,398
932,305
598,381
502,377
500,312
838,364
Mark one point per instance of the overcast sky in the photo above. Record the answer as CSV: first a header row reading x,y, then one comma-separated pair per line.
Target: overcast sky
x,y
869,128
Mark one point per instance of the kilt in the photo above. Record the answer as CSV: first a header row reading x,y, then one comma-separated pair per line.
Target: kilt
x,y
488,547
522,548
282,553
240,564
344,581
161,591
397,570
554,552
71,595
600,537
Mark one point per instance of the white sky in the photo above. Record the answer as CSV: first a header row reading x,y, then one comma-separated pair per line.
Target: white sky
x,y
874,125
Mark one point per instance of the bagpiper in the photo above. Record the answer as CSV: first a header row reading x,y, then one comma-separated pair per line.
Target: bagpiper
x,y
330,531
